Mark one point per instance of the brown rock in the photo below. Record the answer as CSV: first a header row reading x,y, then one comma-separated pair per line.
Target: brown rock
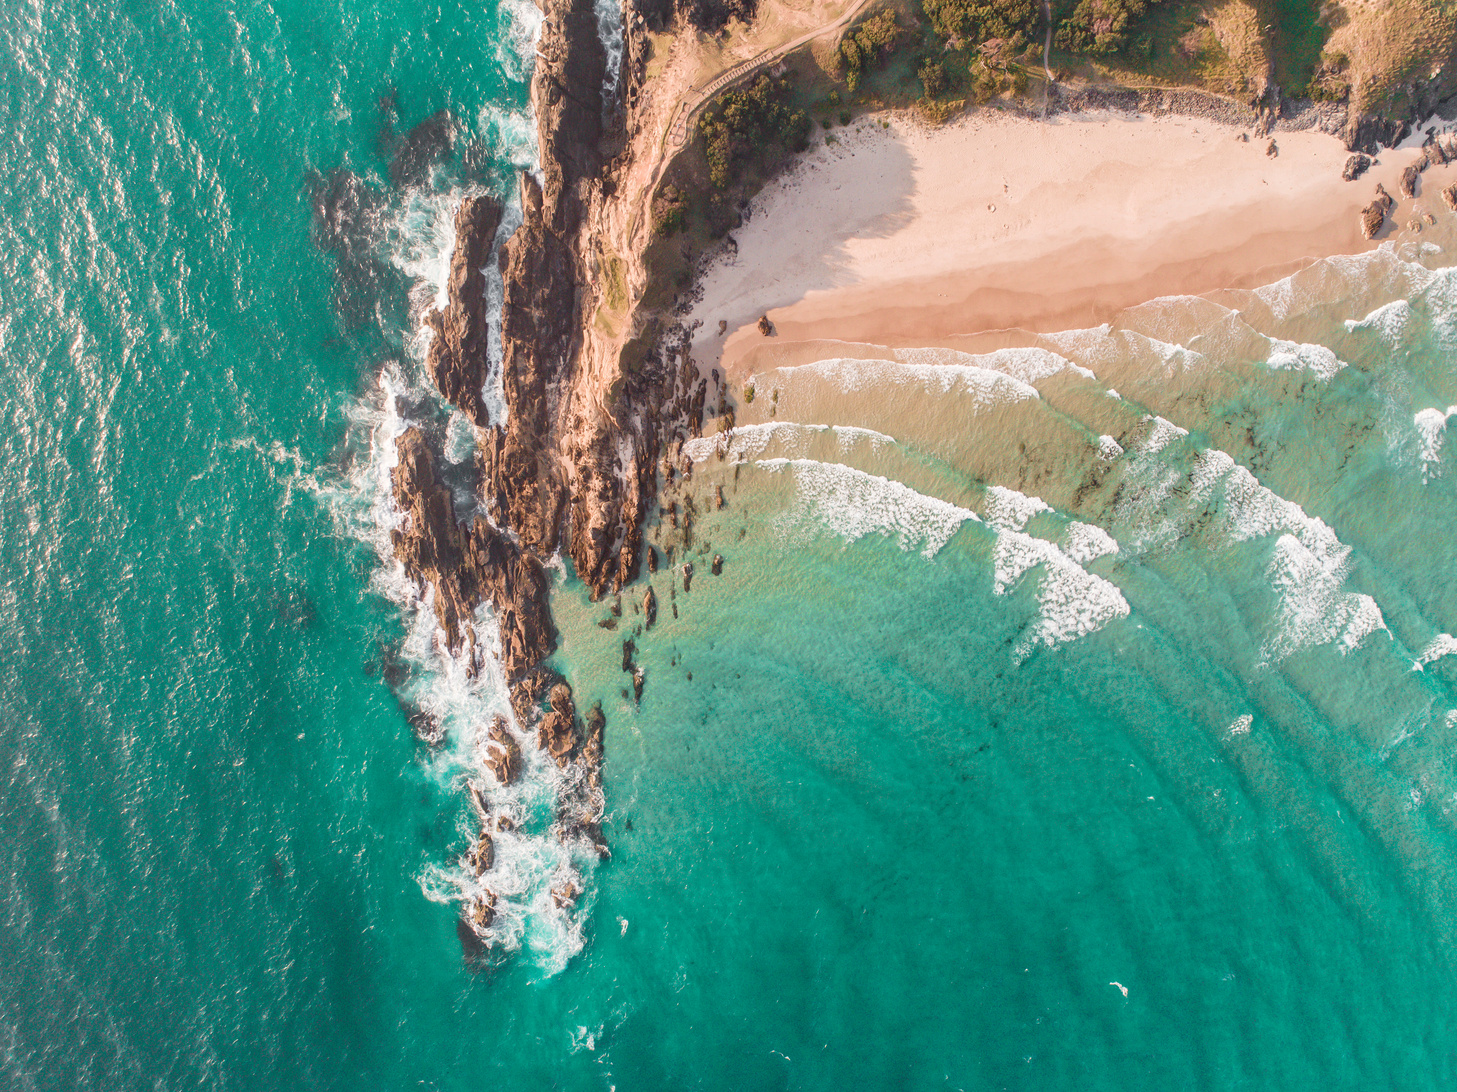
x,y
468,564
717,564
1356,166
1272,150
1410,177
1449,195
503,753
765,326
457,357
555,735
650,608
481,911
481,855
1373,216
687,575
566,893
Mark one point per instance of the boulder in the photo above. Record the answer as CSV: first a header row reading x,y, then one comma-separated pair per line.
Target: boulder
x,y
1356,166
481,855
649,608
1373,216
687,575
556,736
502,753
717,564
1410,177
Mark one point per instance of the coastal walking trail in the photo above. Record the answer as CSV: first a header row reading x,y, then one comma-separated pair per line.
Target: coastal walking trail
x,y
695,99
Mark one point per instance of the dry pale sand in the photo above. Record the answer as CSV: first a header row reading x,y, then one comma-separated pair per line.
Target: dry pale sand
x,y
915,235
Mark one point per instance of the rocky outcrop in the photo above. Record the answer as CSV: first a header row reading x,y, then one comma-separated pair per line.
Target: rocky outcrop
x,y
1373,216
1449,195
457,357
1356,166
556,733
1409,179
503,753
468,564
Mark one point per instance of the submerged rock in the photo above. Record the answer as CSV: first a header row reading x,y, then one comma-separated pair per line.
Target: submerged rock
x,y
687,575
650,608
717,564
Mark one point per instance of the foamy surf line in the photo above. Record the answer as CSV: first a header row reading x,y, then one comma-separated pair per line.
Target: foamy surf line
x,y
518,884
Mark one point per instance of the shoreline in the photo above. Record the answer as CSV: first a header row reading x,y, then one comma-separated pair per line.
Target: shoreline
x,y
900,233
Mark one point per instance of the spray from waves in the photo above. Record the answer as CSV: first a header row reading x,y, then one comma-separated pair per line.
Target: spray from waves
x,y
518,27
609,28
1072,602
510,871
454,705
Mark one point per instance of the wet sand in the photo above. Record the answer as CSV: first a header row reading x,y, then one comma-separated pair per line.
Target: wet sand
x,y
910,234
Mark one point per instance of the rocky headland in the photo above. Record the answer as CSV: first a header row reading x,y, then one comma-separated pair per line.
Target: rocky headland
x,y
598,390
571,465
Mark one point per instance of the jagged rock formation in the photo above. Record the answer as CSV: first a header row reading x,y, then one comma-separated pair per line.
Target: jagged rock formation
x,y
1356,166
468,564
1373,216
572,463
457,356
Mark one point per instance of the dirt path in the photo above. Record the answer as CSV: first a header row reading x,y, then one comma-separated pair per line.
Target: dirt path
x,y
691,103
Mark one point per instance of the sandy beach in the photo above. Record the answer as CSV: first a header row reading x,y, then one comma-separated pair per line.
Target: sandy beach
x,y
896,232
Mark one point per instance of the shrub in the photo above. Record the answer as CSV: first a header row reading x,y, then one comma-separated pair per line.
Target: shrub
x,y
669,211
868,45
933,78
752,126
975,21
1100,26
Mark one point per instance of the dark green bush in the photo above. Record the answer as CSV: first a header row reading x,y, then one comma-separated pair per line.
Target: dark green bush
x,y
975,21
1100,26
866,47
933,78
752,127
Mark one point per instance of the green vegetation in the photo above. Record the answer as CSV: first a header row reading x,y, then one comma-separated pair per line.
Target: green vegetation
x,y
669,211
867,46
749,394
752,129
976,21
1100,26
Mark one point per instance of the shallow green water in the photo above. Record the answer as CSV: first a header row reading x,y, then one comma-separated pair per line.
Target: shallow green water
x,y
934,794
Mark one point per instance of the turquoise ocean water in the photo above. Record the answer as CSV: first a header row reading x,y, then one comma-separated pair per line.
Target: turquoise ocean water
x,y
1120,662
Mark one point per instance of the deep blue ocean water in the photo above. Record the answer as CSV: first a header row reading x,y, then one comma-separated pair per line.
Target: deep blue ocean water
x,y
1116,663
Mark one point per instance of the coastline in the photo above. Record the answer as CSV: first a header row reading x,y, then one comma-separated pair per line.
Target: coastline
x,y
899,233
